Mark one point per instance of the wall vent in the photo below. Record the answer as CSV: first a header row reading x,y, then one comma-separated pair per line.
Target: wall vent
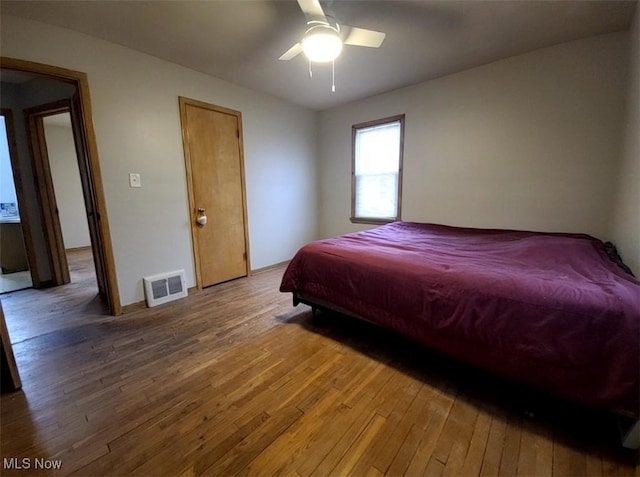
x,y
164,287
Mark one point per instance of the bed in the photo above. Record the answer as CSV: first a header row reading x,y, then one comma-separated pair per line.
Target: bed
x,y
551,311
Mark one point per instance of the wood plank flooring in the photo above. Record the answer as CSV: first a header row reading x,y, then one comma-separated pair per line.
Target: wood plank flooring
x,y
51,309
235,381
15,281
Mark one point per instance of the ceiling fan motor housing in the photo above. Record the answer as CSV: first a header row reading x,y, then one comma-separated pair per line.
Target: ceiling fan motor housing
x,y
322,42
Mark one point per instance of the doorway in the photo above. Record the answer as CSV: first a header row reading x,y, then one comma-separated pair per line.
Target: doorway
x,y
212,140
14,265
53,145
45,236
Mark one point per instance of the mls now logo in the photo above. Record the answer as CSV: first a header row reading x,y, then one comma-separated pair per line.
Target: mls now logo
x,y
26,463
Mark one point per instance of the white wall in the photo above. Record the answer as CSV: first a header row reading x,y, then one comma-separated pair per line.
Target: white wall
x,y
65,174
136,117
529,142
626,216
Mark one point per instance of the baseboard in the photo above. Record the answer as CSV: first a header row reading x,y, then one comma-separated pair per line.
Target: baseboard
x,y
270,267
77,249
44,284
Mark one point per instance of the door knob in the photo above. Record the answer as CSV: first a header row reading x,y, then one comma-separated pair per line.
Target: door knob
x,y
202,217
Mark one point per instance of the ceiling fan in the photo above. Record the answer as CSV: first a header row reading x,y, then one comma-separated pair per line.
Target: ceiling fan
x,y
324,37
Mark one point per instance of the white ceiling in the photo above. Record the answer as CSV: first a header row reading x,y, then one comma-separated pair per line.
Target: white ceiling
x,y
240,41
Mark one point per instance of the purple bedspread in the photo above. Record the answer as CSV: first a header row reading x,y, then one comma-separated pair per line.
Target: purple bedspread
x,y
548,310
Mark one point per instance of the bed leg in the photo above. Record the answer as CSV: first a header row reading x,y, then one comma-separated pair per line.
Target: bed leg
x,y
314,315
631,437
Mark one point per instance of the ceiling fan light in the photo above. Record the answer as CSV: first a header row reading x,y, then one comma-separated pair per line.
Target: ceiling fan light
x,y
322,45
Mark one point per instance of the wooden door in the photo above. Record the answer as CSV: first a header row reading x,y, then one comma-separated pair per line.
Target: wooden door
x,y
89,195
212,139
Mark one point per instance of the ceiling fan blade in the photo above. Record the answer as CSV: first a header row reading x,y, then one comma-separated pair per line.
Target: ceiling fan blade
x,y
363,37
312,10
292,52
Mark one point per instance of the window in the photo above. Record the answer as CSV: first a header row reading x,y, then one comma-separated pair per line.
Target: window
x,y
376,174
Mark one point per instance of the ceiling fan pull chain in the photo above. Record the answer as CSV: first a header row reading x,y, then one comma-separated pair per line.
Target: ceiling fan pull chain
x,y
333,76
310,72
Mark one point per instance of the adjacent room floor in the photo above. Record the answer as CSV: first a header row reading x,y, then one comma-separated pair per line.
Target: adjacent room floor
x,y
234,380
15,281
31,313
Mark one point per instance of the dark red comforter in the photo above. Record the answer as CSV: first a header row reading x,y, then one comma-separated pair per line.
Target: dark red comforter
x,y
549,310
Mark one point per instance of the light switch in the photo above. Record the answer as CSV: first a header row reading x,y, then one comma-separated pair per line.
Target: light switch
x,y
134,180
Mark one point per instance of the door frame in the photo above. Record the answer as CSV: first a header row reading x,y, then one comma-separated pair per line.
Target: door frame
x,y
23,204
10,376
93,174
33,118
193,212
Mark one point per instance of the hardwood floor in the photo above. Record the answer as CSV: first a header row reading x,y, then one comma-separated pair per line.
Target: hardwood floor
x,y
34,312
15,281
234,381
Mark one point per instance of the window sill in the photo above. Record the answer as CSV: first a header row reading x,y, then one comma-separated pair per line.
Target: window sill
x,y
371,220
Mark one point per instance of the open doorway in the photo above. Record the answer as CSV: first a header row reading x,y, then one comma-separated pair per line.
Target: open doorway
x,y
14,266
60,201
67,190
39,96
67,187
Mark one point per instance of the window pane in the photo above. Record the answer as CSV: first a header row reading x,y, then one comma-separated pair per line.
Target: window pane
x,y
377,195
376,168
377,150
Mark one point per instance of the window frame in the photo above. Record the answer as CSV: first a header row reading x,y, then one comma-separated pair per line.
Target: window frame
x,y
354,130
